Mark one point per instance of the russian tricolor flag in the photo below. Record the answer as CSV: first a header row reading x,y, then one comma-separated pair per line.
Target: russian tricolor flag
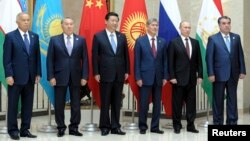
x,y
169,20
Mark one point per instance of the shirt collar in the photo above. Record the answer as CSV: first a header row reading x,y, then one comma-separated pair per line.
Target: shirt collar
x,y
108,33
150,37
21,32
65,36
224,35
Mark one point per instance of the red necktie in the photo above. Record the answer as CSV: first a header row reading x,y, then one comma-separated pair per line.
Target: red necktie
x,y
187,48
153,47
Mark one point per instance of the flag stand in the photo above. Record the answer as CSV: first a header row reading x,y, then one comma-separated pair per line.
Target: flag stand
x,y
91,127
4,129
133,125
206,123
49,128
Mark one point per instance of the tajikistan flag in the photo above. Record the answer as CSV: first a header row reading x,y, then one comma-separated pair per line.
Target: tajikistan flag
x,y
207,25
9,10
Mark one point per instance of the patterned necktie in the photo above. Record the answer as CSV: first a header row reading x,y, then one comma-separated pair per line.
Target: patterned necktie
x,y
153,47
113,44
187,48
26,42
69,45
227,41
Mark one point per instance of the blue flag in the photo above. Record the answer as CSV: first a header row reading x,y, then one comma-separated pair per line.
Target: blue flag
x,y
169,20
24,5
46,23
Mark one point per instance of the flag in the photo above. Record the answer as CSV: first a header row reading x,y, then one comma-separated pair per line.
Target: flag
x,y
24,5
207,25
46,23
133,25
169,20
93,16
9,10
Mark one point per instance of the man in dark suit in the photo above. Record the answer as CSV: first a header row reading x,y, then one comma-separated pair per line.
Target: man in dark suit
x,y
150,74
22,66
225,65
67,66
111,68
185,70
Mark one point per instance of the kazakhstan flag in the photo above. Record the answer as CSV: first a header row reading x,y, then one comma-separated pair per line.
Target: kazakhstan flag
x,y
46,23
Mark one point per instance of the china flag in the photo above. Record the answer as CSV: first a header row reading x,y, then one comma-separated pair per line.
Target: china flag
x,y
133,25
93,16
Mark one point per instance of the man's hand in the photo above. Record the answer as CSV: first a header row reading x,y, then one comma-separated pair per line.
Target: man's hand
x,y
83,82
139,83
10,80
242,76
199,80
211,78
37,79
126,76
97,78
164,82
173,81
52,81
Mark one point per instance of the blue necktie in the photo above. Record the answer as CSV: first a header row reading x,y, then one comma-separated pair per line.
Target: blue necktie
x,y
69,45
113,44
227,43
27,43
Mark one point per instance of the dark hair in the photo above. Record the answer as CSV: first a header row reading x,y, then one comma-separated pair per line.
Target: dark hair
x,y
223,17
109,14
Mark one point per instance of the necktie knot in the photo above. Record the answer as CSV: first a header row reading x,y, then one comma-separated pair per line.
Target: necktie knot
x,y
186,39
153,39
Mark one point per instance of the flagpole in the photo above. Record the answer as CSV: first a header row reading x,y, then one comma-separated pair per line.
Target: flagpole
x,y
4,129
133,125
49,128
91,127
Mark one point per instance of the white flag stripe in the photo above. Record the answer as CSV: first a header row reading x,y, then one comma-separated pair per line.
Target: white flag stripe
x,y
171,6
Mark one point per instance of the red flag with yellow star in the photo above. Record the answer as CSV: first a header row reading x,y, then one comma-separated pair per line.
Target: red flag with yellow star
x,y
133,25
93,16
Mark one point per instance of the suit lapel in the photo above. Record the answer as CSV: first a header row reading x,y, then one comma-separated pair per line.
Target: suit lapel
x,y
148,45
75,44
20,39
62,42
106,41
182,47
193,48
118,36
31,42
232,42
221,40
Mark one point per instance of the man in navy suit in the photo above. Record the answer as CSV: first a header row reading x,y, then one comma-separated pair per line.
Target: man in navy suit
x,y
22,66
150,74
185,71
67,66
225,66
111,68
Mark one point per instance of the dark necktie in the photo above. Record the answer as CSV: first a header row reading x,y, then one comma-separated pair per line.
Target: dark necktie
x,y
153,47
26,42
187,48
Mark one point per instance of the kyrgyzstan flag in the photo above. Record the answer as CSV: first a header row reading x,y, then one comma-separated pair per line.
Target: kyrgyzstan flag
x,y
93,17
133,25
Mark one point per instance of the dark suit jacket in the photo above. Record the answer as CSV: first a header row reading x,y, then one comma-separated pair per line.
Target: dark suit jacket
x,y
181,68
16,60
62,66
147,67
220,62
106,63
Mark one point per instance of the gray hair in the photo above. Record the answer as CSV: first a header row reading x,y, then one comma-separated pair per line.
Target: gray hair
x,y
65,19
149,21
19,14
